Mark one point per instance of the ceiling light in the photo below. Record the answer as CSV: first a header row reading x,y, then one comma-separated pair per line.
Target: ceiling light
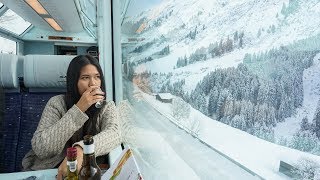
x,y
35,5
53,24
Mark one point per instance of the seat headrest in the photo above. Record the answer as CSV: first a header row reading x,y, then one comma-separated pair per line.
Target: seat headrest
x,y
46,71
8,71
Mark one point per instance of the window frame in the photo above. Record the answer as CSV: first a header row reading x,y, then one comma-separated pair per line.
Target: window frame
x,y
12,32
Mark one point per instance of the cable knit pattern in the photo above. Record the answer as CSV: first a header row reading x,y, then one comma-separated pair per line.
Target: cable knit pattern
x,y
56,127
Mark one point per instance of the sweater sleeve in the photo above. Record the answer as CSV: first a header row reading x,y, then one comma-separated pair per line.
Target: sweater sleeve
x,y
109,137
56,128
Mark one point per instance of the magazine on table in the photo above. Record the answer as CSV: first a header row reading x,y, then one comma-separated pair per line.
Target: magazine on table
x,y
125,167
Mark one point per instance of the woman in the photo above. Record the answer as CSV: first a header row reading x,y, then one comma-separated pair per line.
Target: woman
x,y
67,118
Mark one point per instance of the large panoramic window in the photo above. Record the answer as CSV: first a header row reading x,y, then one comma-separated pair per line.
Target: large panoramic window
x,y
88,9
7,46
238,78
12,22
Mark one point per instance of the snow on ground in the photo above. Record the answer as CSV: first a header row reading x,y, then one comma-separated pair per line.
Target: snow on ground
x,y
7,46
193,73
311,90
221,19
260,156
163,155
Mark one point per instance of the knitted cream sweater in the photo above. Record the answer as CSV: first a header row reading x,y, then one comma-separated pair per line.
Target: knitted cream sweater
x,y
56,127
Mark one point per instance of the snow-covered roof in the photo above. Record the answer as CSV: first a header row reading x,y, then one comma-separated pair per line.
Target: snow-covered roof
x,y
165,95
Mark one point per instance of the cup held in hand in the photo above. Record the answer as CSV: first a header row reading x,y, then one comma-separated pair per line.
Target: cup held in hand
x,y
99,104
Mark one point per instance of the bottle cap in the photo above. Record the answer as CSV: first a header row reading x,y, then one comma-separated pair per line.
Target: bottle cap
x,y
87,140
72,152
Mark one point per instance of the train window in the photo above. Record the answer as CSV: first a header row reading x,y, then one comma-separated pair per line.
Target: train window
x,y
88,8
7,46
9,21
202,81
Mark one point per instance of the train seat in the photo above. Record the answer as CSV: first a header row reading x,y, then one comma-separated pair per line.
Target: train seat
x,y
44,77
10,111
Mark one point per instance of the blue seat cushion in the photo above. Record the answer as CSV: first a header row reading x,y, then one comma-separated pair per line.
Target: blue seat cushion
x,y
10,131
32,107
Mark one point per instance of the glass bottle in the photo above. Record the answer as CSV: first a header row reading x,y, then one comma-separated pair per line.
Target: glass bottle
x,y
89,169
99,104
72,173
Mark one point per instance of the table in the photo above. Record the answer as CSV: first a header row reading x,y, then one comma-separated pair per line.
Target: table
x,y
48,174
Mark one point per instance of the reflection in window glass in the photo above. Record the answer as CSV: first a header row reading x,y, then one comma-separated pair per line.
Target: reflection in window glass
x,y
89,12
239,77
7,46
89,26
88,7
14,23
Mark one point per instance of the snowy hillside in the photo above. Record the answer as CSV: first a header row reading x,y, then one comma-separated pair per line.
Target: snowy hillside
x,y
250,64
264,24
215,20
311,86
260,156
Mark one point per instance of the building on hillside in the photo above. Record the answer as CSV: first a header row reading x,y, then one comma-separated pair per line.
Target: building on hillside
x,y
164,97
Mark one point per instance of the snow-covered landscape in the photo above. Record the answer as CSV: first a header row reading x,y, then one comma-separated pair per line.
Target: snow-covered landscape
x,y
7,46
11,22
250,65
311,87
262,157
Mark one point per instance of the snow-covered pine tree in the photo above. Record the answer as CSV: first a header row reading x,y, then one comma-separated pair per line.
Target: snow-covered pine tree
x,y
202,104
238,122
180,109
246,112
213,98
235,36
306,169
316,120
304,125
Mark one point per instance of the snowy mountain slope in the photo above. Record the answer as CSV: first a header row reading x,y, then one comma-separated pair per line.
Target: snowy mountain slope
x,y
260,156
216,20
221,21
266,25
311,90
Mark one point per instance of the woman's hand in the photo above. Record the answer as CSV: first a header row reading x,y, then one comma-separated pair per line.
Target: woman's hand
x,y
89,97
62,170
79,157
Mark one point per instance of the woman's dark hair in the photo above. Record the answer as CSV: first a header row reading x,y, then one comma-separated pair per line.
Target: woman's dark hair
x,y
73,95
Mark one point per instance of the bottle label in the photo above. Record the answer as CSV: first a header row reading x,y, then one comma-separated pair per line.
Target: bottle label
x,y
72,165
88,149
